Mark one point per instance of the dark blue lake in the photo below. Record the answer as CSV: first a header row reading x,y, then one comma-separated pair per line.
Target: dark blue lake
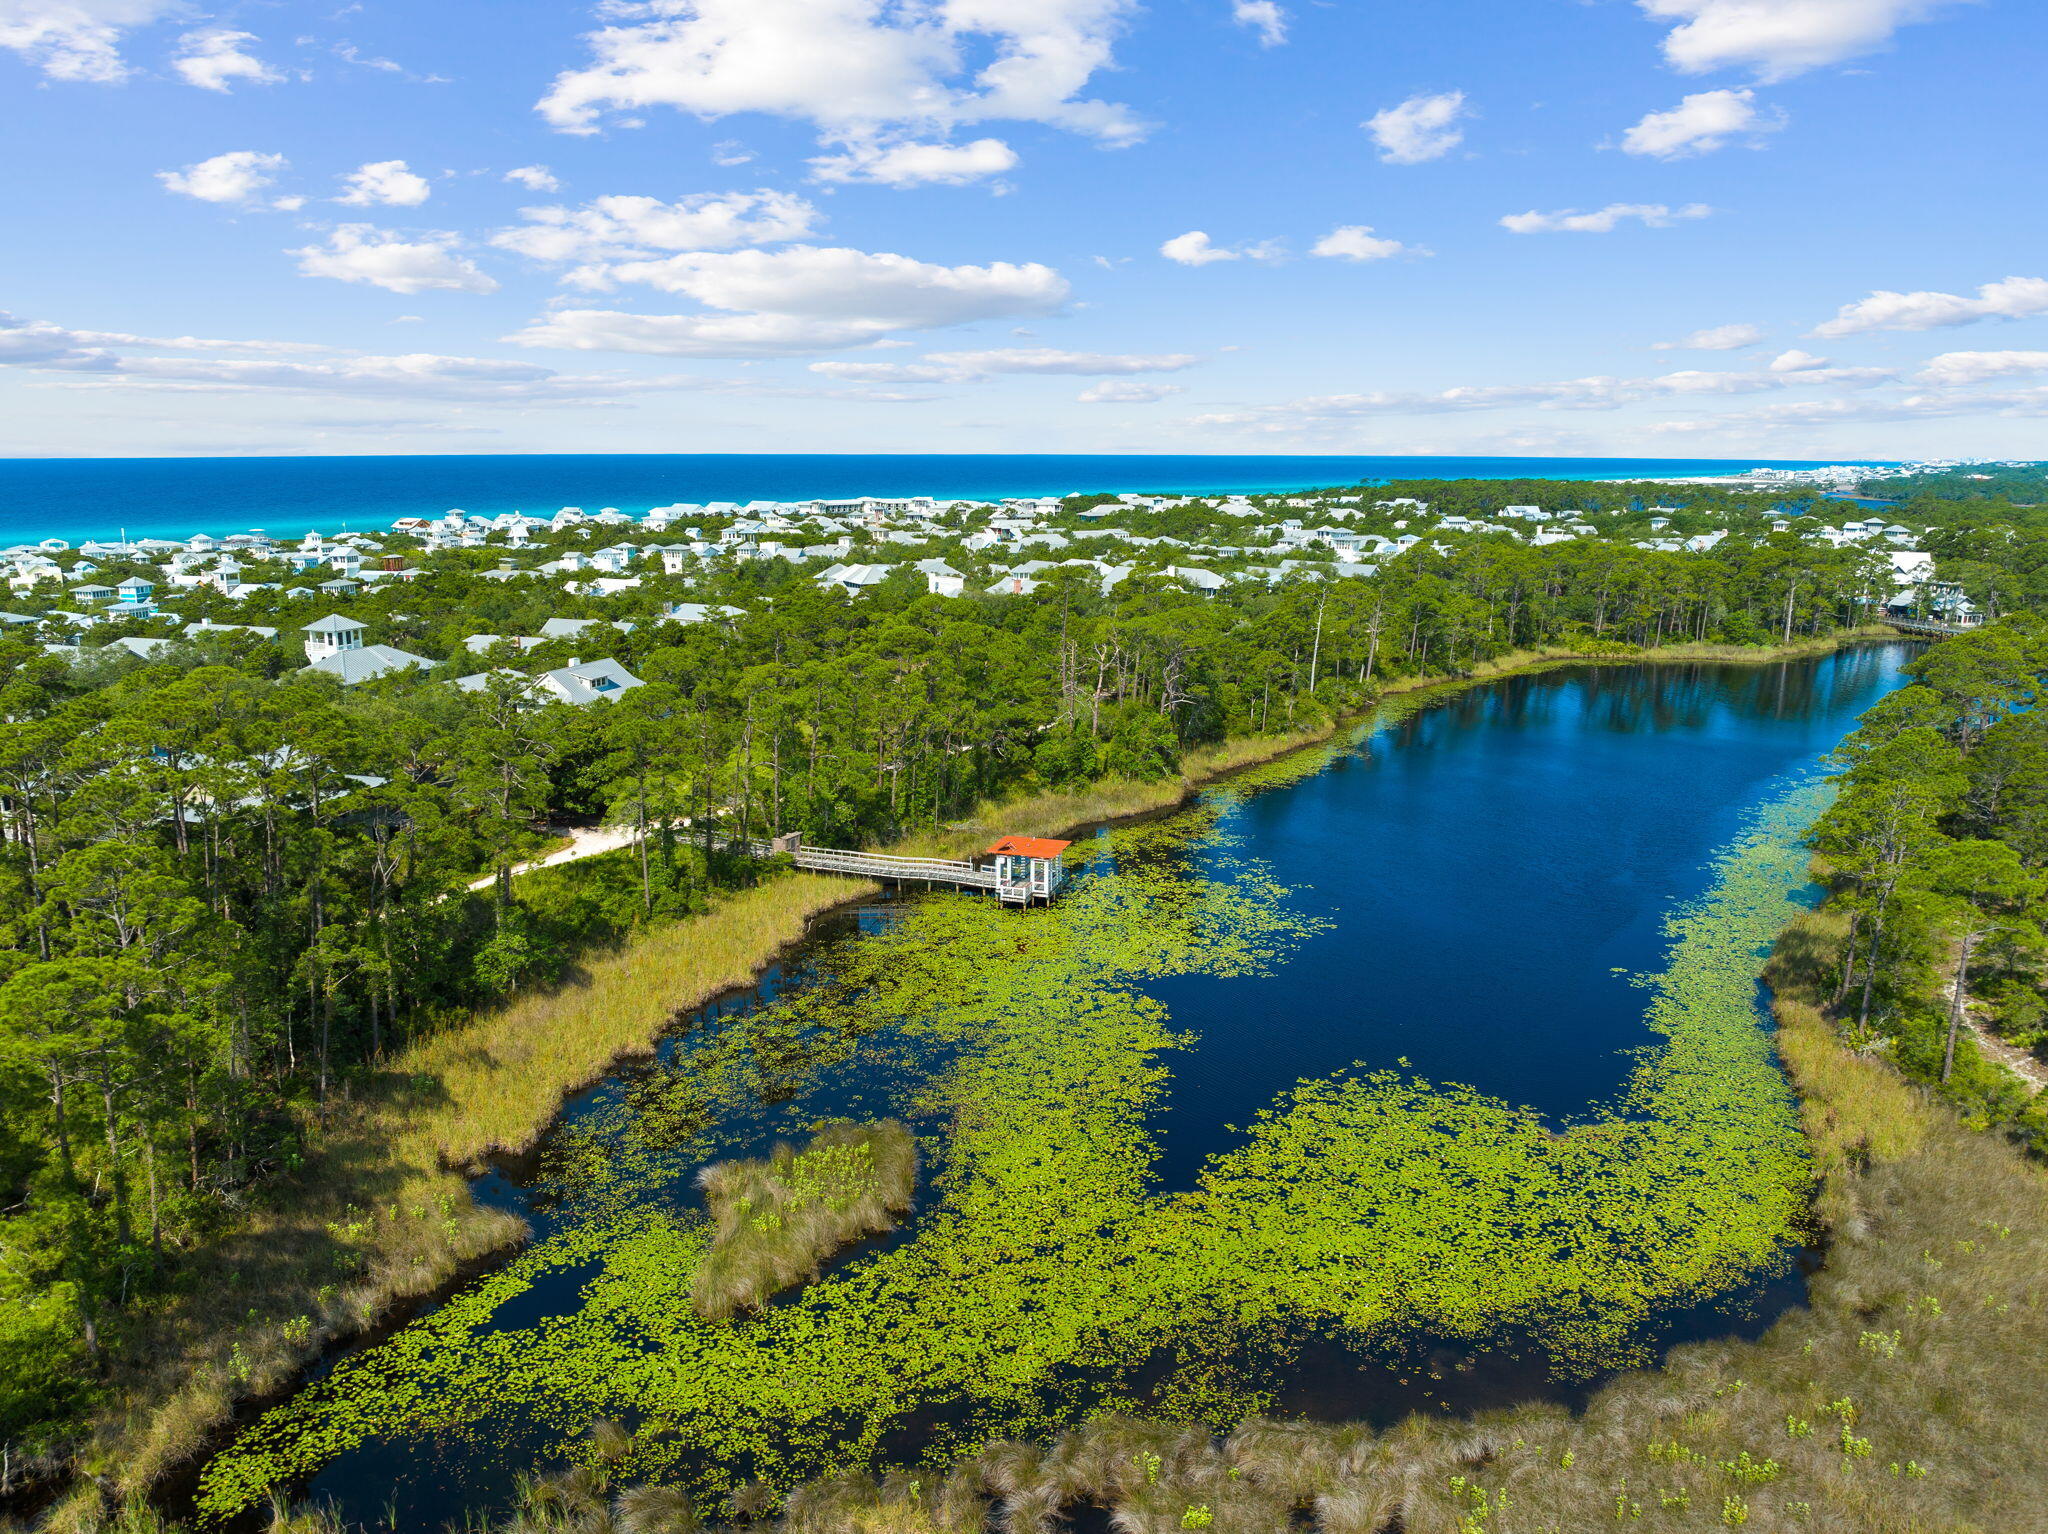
x,y
1495,866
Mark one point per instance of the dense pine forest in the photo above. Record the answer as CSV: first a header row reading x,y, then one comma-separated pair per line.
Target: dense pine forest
x,y
230,887
1938,847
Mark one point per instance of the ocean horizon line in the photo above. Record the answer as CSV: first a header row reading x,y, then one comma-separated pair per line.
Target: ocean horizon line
x,y
79,499
1760,461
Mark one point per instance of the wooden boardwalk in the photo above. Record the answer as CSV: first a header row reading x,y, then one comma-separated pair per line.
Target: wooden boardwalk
x,y
958,874
1926,630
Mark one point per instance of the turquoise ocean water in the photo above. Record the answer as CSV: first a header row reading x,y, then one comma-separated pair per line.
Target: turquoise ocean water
x,y
80,498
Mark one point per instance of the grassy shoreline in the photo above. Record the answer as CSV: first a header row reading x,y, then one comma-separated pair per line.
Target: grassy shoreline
x,y
380,1216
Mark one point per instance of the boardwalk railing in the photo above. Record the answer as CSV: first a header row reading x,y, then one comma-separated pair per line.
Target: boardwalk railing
x,y
880,865
898,870
875,865
1924,626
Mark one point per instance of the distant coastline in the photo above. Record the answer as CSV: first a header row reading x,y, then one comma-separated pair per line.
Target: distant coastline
x,y
101,498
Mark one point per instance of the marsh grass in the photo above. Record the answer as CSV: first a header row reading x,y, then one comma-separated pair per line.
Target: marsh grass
x,y
778,1217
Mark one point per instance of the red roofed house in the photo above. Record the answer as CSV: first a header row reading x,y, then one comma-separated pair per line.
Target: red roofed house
x,y
1029,868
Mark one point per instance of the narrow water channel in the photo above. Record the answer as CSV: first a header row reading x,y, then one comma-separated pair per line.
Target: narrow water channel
x,y
1230,1063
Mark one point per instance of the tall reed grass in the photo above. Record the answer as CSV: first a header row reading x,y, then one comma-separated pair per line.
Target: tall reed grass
x,y
777,1218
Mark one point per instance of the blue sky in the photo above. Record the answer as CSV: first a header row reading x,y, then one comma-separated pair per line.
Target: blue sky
x,y
1772,228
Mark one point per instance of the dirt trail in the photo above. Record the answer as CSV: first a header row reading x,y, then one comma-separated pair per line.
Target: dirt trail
x,y
2019,1061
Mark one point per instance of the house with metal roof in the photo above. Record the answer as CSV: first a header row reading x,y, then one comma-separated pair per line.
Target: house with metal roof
x,y
578,683
700,612
365,663
334,645
145,647
208,626
940,578
854,577
589,682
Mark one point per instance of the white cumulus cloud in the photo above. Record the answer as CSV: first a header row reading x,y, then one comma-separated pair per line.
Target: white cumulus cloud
x,y
621,228
535,178
1264,17
1195,248
891,291
967,367
40,343
855,69
691,335
2013,298
1125,391
1778,38
77,40
362,253
1046,359
234,177
1602,220
1797,361
214,58
1699,124
1955,369
1716,338
909,164
86,359
384,183
1421,128
1357,242
892,372
104,356
800,299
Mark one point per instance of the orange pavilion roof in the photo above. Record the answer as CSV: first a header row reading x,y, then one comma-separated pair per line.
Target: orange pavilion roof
x,y
1029,847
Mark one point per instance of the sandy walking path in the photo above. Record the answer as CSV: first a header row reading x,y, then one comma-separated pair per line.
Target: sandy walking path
x,y
584,842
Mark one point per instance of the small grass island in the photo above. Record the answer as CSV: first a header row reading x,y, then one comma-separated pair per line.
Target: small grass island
x,y
777,1218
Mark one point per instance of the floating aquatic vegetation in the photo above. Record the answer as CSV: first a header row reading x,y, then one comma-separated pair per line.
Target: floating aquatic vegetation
x,y
1046,1274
